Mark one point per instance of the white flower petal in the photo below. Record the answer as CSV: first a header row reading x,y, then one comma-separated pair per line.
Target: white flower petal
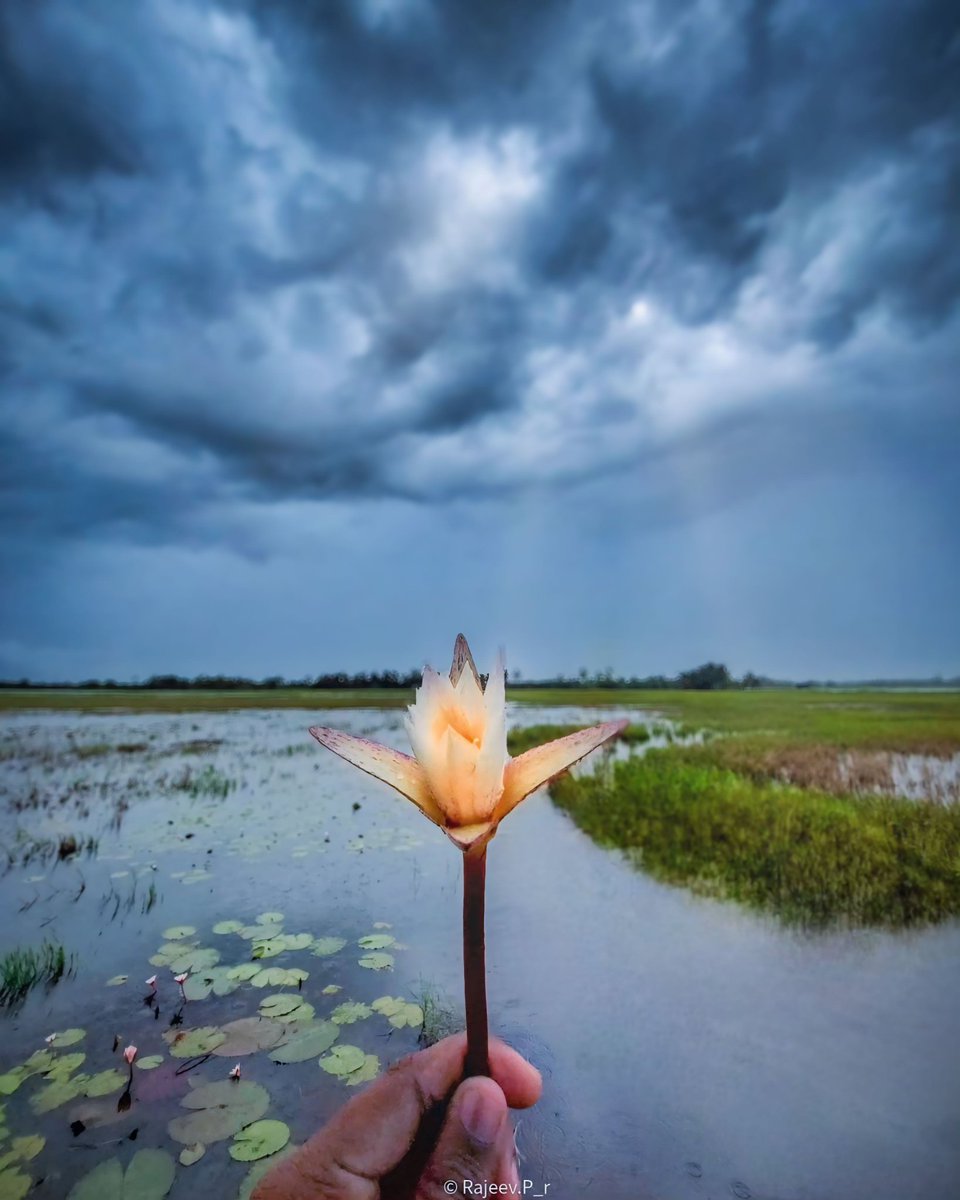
x,y
400,771
527,772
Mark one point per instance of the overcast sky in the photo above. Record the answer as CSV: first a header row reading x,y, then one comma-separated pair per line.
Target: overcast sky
x,y
620,334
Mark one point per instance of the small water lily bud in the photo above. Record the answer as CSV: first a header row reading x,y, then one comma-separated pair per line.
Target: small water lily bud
x,y
129,1054
235,1072
50,1039
151,982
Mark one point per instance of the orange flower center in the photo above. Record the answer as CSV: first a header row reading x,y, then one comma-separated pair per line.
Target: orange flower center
x,y
452,717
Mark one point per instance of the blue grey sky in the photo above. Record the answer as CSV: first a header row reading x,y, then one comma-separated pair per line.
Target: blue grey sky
x,y
620,335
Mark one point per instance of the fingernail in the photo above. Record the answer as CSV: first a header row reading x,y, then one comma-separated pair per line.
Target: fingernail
x,y
481,1115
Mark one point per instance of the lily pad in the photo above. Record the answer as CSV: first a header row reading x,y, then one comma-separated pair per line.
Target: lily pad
x,y
105,1082
247,1036
259,932
21,1150
64,1066
259,1140
192,1043
148,1177
310,1041
378,961
270,918
67,1037
216,980
376,941
198,959
219,1111
244,971
280,1004
149,1063
331,989
228,927
343,1060
325,946
191,1154
398,1012
60,1091
271,947
369,1070
118,980
350,1011
14,1185
176,933
279,977
12,1080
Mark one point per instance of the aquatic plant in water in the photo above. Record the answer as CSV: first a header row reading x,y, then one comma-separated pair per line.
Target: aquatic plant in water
x,y
463,779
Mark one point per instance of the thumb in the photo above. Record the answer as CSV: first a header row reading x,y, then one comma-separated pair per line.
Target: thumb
x,y
475,1144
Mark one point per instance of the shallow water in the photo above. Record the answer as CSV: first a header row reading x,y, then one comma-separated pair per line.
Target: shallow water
x,y
690,1048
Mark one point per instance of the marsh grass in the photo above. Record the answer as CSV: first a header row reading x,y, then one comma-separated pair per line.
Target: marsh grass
x,y
22,970
520,740
440,1019
812,858
208,781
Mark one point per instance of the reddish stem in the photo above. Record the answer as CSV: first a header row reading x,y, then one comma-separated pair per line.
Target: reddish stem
x,y
474,962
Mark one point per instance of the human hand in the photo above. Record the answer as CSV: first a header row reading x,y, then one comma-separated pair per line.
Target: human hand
x,y
407,1136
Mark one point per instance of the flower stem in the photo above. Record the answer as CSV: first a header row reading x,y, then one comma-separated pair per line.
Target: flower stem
x,y
474,962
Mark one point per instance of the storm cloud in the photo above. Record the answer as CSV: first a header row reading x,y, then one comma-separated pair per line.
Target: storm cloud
x,y
272,270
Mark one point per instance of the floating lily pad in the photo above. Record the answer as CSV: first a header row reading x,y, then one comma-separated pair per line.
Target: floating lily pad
x,y
64,1066
104,1083
350,1011
216,980
279,977
14,1185
118,980
376,941
12,1080
370,1069
244,971
192,1043
247,1036
199,959
270,918
325,946
148,1177
67,1037
331,989
259,1140
176,933
228,927
149,1063
382,925
398,1012
343,1059
60,1091
378,961
22,1149
191,1154
271,947
310,1041
259,932
220,1110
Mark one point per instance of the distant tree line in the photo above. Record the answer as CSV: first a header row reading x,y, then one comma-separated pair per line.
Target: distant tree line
x,y
710,677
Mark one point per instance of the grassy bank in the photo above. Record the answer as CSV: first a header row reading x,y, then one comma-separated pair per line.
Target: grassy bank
x,y
810,857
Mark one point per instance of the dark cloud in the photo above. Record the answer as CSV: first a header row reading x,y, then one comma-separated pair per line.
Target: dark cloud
x,y
266,257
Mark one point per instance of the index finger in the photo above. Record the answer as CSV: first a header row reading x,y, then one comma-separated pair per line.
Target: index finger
x,y
372,1134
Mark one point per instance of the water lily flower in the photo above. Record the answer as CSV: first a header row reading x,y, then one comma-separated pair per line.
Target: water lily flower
x,y
461,776
129,1055
151,982
235,1072
50,1039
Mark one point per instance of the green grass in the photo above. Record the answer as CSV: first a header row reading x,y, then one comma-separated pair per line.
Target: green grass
x,y
23,970
811,858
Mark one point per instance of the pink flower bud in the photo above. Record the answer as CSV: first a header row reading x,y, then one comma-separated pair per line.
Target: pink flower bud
x,y
129,1054
235,1073
151,982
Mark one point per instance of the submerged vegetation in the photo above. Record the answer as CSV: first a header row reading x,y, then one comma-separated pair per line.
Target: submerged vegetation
x,y
21,970
809,856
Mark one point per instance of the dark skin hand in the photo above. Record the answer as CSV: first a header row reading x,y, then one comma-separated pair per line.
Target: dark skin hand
x,y
414,1129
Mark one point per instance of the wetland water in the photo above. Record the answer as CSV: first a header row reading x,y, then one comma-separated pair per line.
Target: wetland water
x,y
689,1048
